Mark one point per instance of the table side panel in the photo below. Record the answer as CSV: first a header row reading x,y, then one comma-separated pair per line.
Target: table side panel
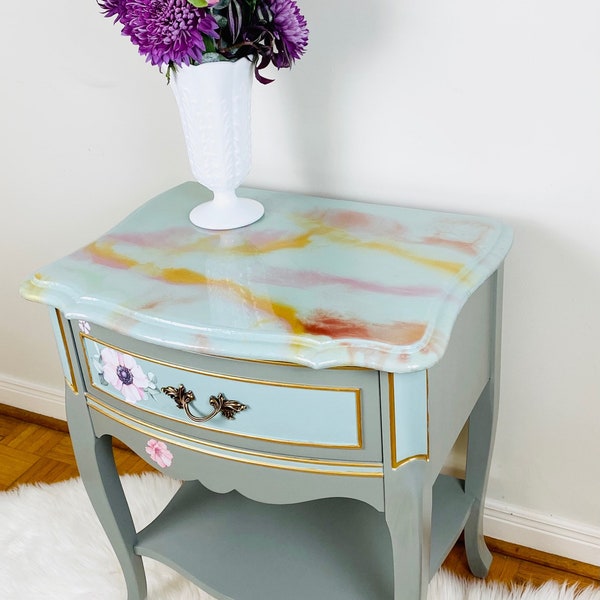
x,y
458,380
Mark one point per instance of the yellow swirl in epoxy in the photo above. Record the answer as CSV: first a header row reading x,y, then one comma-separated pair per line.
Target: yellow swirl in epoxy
x,y
318,323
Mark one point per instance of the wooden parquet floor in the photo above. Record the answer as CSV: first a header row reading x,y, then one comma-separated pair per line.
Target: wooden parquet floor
x,y
42,452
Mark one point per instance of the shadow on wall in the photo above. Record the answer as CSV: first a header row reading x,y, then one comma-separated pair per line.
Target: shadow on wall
x,y
547,439
549,407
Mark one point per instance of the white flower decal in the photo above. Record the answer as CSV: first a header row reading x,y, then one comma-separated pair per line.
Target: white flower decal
x,y
124,374
84,327
159,453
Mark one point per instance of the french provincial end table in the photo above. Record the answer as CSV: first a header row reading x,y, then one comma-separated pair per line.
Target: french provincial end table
x,y
305,377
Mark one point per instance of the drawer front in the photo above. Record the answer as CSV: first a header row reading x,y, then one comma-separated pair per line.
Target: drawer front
x,y
293,409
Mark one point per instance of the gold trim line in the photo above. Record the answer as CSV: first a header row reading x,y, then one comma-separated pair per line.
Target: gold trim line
x,y
72,384
150,431
357,393
332,462
394,458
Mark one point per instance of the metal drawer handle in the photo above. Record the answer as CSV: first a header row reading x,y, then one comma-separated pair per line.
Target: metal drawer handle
x,y
220,404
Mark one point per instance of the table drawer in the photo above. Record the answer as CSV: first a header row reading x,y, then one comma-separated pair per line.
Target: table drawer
x,y
275,407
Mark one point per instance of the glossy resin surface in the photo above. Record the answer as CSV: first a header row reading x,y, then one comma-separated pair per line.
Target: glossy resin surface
x,y
317,282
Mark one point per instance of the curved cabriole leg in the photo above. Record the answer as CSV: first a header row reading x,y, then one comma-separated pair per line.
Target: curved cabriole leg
x,y
408,517
482,428
101,480
481,432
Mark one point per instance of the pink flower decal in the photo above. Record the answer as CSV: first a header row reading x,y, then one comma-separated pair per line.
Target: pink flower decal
x,y
159,453
124,374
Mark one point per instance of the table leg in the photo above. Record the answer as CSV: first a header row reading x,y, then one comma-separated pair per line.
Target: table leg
x,y
482,428
99,474
408,517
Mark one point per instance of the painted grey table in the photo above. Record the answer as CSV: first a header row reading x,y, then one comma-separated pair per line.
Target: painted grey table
x,y
306,377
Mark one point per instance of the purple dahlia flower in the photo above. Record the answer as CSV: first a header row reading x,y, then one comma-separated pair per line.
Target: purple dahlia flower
x,y
168,31
290,30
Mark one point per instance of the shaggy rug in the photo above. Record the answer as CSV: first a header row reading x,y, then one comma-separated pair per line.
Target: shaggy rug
x,y
54,549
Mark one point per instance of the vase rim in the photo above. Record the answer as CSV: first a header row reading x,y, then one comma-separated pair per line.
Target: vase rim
x,y
217,62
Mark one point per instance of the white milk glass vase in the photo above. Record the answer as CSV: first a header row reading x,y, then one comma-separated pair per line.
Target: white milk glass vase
x,y
214,101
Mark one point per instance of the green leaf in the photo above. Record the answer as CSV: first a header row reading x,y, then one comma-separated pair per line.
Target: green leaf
x,y
209,57
221,21
210,45
198,3
171,68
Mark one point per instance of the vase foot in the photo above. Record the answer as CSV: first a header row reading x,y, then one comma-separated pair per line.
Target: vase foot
x,y
218,216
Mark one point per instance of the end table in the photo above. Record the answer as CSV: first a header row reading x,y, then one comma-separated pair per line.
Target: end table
x,y
306,378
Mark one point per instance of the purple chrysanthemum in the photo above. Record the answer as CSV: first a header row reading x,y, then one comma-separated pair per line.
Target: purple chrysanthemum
x,y
290,30
113,8
168,31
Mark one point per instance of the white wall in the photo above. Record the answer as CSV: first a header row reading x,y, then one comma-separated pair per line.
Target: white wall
x,y
466,105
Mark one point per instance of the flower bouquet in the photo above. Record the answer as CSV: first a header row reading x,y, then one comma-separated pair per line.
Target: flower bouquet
x,y
173,33
208,49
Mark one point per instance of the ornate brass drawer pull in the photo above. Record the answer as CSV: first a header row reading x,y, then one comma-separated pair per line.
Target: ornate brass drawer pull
x,y
220,404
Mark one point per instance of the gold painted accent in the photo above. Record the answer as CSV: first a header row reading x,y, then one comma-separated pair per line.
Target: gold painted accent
x,y
283,457
150,430
427,395
395,462
283,363
289,364
392,419
402,462
72,384
357,394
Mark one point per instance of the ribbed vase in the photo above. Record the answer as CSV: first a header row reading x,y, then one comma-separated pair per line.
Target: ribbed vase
x,y
214,101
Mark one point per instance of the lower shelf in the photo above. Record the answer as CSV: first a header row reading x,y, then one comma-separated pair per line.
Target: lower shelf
x,y
238,549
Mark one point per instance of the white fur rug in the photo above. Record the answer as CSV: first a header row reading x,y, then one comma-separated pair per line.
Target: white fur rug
x,y
54,549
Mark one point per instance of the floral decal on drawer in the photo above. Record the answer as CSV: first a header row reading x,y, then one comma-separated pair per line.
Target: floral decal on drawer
x,y
122,372
159,453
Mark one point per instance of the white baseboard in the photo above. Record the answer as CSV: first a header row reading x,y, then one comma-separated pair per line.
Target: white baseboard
x,y
571,539
502,521
34,398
